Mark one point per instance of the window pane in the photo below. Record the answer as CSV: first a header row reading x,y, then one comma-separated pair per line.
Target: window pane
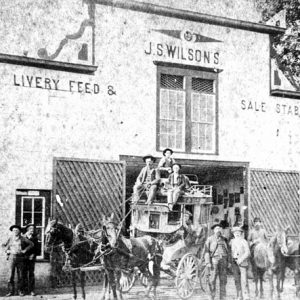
x,y
27,204
39,236
163,140
180,113
38,219
210,109
172,116
180,99
164,100
38,204
203,124
203,112
208,137
171,141
163,126
27,218
195,107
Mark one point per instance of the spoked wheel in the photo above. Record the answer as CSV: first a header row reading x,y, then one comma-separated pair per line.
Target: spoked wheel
x,y
203,278
186,280
143,279
126,281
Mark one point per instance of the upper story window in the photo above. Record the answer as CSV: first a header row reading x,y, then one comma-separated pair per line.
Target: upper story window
x,y
187,119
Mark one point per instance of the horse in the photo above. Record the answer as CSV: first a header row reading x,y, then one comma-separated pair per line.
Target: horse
x,y
122,254
268,257
292,260
78,250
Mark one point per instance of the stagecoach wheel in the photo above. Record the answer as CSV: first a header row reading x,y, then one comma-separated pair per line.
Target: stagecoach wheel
x,y
126,281
186,280
144,279
203,278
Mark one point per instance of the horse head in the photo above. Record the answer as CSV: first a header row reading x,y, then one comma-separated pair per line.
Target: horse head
x,y
110,230
57,233
279,242
281,237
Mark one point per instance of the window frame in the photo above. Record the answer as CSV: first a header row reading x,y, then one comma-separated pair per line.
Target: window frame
x,y
47,205
32,218
189,71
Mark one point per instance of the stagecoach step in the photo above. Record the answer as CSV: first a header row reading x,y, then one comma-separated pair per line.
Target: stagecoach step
x,y
91,268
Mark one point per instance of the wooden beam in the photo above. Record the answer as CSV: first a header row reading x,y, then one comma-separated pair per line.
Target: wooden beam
x,y
191,16
47,64
134,161
285,94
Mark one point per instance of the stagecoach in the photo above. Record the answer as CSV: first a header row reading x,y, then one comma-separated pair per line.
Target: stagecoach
x,y
182,244
183,257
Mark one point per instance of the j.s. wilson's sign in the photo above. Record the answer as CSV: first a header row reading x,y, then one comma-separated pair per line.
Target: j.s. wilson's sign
x,y
188,51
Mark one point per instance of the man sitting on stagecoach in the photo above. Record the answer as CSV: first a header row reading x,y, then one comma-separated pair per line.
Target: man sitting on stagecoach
x,y
177,185
166,163
148,180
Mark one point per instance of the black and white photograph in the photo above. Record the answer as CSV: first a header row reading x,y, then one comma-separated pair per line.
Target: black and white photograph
x,y
150,149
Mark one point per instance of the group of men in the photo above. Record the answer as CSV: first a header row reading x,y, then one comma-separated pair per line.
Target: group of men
x,y
220,254
21,250
149,179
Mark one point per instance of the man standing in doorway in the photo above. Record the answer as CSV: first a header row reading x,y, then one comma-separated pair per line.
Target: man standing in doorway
x,y
216,255
16,247
240,256
30,257
148,180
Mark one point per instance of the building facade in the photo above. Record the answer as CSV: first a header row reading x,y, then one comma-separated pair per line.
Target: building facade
x,y
89,87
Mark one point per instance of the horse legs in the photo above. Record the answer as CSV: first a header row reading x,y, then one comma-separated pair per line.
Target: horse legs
x,y
82,283
112,283
297,283
74,284
261,285
147,274
106,288
255,275
118,276
271,284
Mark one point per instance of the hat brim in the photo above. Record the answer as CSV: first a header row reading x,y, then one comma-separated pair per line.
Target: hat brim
x,y
29,225
235,230
176,164
216,225
149,156
167,149
15,226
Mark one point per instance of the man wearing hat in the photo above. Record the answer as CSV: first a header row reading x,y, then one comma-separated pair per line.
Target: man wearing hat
x,y
177,184
16,247
240,255
166,163
216,254
257,233
30,257
148,180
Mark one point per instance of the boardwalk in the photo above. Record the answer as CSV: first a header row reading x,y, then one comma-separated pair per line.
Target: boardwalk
x,y
165,291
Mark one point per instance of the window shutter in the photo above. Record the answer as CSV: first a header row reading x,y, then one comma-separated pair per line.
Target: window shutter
x,y
202,85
